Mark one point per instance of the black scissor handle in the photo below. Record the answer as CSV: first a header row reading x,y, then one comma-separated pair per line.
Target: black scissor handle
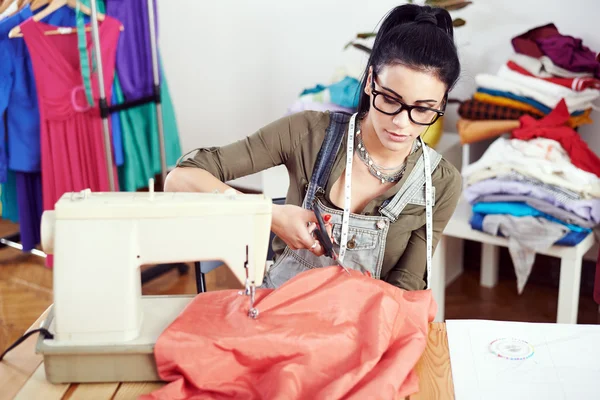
x,y
322,235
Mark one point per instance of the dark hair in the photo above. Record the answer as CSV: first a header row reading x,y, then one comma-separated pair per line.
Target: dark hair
x,y
419,37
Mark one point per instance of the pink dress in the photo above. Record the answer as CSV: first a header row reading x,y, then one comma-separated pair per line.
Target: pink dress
x,y
72,139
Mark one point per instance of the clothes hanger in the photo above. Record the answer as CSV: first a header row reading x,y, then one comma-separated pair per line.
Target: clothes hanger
x,y
53,6
36,4
4,5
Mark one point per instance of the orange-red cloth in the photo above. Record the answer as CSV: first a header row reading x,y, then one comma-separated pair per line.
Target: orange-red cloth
x,y
324,334
554,127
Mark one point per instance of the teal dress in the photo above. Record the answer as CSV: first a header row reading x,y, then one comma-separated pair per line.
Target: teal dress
x,y
139,134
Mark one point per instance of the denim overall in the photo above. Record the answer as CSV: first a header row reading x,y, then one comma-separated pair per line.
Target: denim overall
x,y
367,234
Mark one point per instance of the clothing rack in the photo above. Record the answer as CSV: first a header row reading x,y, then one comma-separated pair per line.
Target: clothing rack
x,y
105,111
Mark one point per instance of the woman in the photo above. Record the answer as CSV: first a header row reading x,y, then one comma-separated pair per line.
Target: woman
x,y
413,65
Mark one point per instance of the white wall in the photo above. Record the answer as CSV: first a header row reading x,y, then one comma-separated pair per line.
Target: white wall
x,y
234,66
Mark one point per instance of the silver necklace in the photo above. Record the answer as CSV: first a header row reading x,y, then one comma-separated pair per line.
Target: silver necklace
x,y
377,170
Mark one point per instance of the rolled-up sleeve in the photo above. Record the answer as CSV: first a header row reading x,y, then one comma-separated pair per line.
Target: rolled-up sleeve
x,y
270,146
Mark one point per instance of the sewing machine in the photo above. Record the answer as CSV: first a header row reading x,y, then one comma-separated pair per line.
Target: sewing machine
x,y
104,329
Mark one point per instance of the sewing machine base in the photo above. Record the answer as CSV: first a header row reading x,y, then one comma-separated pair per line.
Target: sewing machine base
x,y
129,362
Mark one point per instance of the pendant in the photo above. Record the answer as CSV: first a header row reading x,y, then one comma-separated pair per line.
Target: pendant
x,y
382,181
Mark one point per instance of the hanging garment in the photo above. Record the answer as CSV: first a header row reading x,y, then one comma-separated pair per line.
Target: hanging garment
x,y
29,198
20,128
10,209
134,70
81,20
324,334
72,137
23,120
134,54
5,88
140,140
554,127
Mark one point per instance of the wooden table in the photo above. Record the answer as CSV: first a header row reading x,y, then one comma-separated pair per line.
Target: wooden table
x,y
22,375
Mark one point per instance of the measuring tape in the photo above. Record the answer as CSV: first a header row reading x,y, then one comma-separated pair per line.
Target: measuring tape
x,y
428,210
347,187
348,194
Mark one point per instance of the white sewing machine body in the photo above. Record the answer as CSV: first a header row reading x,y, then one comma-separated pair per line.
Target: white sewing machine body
x,y
99,242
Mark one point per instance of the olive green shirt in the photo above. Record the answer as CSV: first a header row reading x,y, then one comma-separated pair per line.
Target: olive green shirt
x,y
295,141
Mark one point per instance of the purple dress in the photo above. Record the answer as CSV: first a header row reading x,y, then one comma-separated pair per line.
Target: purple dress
x,y
134,52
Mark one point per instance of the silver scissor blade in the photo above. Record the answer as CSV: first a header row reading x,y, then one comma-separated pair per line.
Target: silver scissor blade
x,y
337,260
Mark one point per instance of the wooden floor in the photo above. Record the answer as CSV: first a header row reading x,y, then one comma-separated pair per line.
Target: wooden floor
x,y
26,291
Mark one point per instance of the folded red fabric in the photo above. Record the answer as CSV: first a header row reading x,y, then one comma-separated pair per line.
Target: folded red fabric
x,y
554,126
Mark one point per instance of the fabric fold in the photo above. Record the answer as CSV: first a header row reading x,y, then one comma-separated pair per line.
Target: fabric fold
x,y
323,334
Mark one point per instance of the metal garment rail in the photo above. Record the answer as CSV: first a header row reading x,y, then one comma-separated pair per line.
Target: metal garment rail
x,y
105,111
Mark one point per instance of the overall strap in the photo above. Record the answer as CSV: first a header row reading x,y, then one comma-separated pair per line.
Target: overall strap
x,y
414,183
326,157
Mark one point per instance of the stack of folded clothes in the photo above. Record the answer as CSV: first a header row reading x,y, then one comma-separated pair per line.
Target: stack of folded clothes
x,y
545,68
539,187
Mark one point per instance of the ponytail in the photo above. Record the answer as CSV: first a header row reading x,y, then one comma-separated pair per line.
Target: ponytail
x,y
418,37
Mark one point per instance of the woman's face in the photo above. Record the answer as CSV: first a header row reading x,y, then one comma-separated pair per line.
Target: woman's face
x,y
399,85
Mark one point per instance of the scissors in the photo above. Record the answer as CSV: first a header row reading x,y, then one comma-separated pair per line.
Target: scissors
x,y
323,237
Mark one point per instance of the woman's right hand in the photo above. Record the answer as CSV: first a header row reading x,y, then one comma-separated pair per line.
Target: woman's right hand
x,y
294,225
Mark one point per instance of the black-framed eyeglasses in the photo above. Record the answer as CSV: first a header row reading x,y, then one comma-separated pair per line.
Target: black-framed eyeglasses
x,y
389,105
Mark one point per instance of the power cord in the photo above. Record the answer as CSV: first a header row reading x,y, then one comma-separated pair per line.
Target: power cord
x,y
43,331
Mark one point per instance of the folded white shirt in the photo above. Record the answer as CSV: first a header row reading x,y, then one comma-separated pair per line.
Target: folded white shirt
x,y
545,68
540,157
549,88
496,82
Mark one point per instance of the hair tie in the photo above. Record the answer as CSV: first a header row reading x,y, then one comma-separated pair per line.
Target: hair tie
x,y
426,18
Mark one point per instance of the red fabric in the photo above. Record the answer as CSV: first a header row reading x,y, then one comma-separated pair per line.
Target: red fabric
x,y
324,334
526,42
577,84
554,126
